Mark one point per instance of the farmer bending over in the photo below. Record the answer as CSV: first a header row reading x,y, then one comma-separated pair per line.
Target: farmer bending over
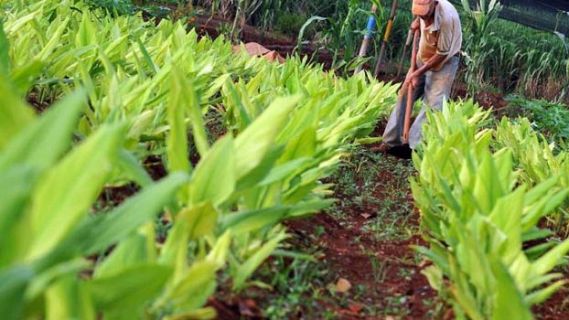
x,y
437,63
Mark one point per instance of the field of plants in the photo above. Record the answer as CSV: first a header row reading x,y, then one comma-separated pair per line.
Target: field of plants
x,y
149,170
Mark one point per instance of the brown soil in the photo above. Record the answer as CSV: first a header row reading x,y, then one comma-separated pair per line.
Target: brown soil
x,y
155,168
111,197
487,100
491,100
348,247
350,259
556,308
34,100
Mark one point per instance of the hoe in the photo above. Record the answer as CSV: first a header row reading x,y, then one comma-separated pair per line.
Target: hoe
x,y
409,88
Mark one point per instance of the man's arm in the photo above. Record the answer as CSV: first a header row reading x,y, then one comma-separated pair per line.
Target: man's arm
x,y
435,60
443,49
413,78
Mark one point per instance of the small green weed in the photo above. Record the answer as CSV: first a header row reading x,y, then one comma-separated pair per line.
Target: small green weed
x,y
299,283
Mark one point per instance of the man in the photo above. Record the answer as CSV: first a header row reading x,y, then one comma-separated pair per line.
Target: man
x,y
437,64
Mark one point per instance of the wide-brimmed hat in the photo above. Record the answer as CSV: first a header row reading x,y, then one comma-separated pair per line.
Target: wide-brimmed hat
x,y
421,7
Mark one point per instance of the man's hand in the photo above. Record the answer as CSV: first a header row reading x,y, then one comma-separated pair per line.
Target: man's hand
x,y
411,80
415,25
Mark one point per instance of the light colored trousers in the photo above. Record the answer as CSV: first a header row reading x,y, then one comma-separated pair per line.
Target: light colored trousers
x,y
434,87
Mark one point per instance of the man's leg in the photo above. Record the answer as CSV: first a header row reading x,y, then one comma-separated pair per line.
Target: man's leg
x,y
438,87
394,129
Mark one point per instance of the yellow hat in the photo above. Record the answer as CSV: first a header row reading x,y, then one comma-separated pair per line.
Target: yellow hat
x,y
421,7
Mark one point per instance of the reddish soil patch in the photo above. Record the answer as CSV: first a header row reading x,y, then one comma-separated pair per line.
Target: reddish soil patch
x,y
556,308
491,100
212,26
232,307
350,249
487,100
350,259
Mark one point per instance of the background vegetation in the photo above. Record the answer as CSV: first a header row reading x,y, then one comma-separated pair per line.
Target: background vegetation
x,y
502,56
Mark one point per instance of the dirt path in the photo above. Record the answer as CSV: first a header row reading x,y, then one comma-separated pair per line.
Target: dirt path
x,y
367,239
385,272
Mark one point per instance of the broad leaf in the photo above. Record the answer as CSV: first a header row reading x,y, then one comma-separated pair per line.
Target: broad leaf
x,y
12,291
244,271
254,143
69,189
214,178
42,143
68,299
99,232
177,141
125,294
14,114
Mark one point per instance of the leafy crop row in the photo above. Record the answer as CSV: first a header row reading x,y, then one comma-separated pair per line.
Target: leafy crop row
x,y
121,90
482,194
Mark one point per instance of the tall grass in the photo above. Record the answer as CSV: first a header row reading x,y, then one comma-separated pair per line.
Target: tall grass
x,y
515,58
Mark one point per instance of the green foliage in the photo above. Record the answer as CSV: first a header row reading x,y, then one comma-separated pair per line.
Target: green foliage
x,y
4,53
151,91
44,226
537,161
117,7
532,63
547,117
478,22
478,216
290,23
341,32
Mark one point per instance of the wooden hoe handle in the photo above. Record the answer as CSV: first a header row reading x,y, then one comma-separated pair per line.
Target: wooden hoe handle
x,y
409,109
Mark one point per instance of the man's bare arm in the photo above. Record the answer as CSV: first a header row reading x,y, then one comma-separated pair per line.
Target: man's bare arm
x,y
434,61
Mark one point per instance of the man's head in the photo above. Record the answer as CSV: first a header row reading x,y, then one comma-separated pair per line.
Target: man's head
x,y
423,8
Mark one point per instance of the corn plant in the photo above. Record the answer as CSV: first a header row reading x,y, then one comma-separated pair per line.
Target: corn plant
x,y
245,8
480,18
